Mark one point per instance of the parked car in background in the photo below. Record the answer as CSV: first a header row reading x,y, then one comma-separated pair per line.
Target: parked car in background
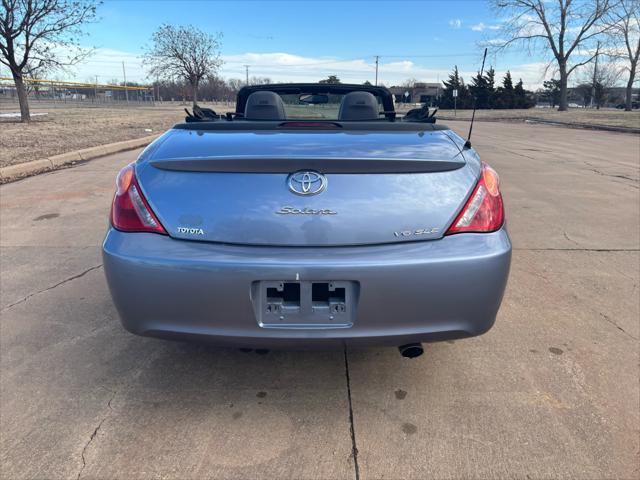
x,y
634,105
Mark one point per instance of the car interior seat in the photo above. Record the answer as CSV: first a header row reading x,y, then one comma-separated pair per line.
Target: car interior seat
x,y
358,106
264,106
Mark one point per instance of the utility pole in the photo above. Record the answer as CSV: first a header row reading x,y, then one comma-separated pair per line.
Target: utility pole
x,y
377,58
246,69
96,90
124,74
595,73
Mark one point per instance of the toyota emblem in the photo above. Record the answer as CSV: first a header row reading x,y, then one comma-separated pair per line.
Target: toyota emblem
x,y
307,182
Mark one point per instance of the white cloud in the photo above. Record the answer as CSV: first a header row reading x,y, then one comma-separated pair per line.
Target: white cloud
x,y
480,27
280,66
103,63
455,23
286,67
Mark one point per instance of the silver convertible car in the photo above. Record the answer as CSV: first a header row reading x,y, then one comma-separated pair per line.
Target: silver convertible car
x,y
313,215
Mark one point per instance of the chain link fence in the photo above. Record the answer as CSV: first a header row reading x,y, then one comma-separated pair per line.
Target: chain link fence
x,y
55,93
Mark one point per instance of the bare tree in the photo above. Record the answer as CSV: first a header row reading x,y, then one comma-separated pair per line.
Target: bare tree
x,y
409,83
624,32
566,27
235,84
34,32
259,80
184,52
601,77
31,73
606,77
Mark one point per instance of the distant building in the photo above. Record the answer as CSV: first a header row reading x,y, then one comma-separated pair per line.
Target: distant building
x,y
419,93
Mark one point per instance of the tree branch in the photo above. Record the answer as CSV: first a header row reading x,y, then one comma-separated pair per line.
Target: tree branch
x,y
582,63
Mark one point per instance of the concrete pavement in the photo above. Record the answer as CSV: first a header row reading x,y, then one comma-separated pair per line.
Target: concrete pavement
x,y
551,391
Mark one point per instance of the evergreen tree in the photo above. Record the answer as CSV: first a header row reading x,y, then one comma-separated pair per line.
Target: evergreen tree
x,y
490,81
480,90
505,95
552,91
522,100
483,88
454,82
507,82
331,79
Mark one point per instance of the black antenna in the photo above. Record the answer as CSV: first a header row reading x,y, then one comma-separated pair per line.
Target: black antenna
x,y
467,144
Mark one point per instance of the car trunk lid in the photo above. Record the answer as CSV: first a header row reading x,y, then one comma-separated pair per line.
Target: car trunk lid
x,y
236,187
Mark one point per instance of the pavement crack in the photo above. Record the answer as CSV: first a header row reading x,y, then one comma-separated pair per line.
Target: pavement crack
x,y
73,277
519,154
612,175
354,446
608,319
93,435
569,238
634,181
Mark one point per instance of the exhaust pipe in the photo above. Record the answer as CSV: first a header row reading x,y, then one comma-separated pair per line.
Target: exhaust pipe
x,y
411,350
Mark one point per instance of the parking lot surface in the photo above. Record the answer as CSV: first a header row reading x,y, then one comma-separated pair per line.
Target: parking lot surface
x,y
551,391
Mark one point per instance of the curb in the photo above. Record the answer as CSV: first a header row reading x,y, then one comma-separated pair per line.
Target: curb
x,y
584,126
21,170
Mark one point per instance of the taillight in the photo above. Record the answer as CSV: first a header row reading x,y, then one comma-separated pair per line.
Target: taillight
x,y
484,211
130,211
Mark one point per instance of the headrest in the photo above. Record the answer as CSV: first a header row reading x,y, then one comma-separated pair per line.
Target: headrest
x,y
358,106
264,106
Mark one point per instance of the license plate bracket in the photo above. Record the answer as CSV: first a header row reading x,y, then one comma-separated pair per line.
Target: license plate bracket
x,y
305,304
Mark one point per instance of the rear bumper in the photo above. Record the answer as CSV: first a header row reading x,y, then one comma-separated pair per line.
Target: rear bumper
x,y
411,292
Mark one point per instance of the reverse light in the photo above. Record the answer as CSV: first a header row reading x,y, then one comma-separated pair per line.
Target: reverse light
x,y
484,211
130,211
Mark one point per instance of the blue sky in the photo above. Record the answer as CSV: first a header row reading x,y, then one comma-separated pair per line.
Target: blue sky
x,y
306,41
